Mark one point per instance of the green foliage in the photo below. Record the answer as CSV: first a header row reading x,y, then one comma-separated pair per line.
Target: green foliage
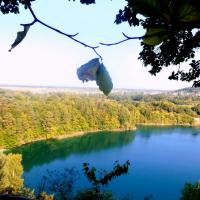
x,y
20,36
93,70
60,184
171,34
28,117
96,193
103,80
88,71
93,195
197,109
44,196
12,6
154,36
191,192
107,177
87,2
10,173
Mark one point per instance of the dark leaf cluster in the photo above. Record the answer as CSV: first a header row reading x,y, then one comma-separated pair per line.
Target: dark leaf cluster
x,y
87,2
176,24
127,15
191,75
117,171
191,192
12,6
58,183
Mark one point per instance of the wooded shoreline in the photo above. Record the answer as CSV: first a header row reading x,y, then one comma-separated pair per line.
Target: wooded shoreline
x,y
82,133
27,118
73,135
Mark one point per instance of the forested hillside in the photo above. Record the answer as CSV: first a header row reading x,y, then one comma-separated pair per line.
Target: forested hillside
x,y
26,117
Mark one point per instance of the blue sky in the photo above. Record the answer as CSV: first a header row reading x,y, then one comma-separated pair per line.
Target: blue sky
x,y
47,58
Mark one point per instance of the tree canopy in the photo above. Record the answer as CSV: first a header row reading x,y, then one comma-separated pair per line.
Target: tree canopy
x,y
172,36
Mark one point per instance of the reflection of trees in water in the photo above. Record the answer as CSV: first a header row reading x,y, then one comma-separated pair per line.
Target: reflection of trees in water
x,y
147,131
60,184
43,152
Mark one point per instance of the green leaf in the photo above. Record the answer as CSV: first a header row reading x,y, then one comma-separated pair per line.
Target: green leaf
x,y
93,70
104,80
87,72
147,7
20,36
154,36
188,13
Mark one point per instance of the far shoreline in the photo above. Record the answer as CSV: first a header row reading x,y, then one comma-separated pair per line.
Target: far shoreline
x,y
72,135
83,133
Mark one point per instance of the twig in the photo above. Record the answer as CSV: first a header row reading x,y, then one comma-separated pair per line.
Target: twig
x,y
121,41
60,32
131,38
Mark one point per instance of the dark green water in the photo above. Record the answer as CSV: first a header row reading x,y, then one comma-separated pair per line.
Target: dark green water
x,y
162,159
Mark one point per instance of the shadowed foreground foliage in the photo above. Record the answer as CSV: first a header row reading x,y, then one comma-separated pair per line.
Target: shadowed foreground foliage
x,y
191,192
172,35
60,185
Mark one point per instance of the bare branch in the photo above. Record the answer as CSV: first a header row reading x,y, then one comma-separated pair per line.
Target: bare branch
x,y
30,24
56,30
131,38
115,43
60,32
121,41
94,49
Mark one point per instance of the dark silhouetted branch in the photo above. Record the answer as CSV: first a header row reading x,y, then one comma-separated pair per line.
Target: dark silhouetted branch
x,y
60,32
121,41
127,38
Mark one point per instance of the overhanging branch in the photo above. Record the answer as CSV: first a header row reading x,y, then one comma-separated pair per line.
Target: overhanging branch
x,y
127,38
71,36
124,40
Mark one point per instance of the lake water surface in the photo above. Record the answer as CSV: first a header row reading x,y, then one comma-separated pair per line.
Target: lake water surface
x,y
162,159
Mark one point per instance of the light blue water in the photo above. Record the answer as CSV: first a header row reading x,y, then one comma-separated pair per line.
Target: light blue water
x,y
162,159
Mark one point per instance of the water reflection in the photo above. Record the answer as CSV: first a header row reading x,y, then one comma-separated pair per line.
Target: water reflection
x,y
44,152
162,159
149,131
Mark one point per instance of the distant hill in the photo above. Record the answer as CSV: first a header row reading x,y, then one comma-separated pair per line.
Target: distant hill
x,y
82,90
88,90
187,91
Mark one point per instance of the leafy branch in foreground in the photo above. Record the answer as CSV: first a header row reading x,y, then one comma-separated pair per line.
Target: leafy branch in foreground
x,y
172,33
59,183
191,191
107,177
95,193
175,36
102,76
94,70
21,35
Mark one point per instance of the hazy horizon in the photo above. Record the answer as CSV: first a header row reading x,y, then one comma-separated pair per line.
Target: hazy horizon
x,y
80,87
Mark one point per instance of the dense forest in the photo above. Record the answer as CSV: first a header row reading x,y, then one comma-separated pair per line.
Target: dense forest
x,y
26,117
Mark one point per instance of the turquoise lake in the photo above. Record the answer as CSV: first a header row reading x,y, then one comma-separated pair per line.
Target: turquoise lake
x,y
162,159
